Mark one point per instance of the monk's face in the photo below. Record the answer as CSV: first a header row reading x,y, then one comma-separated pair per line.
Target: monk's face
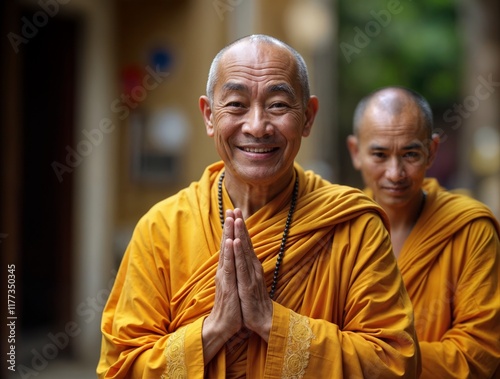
x,y
393,152
257,117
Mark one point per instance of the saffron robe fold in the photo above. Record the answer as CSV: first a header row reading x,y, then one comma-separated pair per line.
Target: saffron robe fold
x,y
340,309
450,264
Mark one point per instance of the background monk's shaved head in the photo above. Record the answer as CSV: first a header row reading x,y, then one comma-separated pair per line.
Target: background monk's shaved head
x,y
394,100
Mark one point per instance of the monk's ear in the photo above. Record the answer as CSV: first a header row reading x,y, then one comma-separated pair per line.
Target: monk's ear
x,y
433,148
206,112
311,111
353,146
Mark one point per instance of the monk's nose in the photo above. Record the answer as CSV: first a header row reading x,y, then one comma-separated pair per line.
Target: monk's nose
x,y
395,169
257,123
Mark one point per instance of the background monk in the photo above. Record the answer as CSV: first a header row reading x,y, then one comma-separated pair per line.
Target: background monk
x,y
447,244
259,269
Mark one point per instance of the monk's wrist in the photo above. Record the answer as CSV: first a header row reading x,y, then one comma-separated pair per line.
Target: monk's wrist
x,y
212,339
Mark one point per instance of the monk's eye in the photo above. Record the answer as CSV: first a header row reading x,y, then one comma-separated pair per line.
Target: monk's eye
x,y
378,155
234,104
412,155
278,105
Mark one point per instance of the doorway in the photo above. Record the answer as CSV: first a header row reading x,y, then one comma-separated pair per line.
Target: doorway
x,y
47,109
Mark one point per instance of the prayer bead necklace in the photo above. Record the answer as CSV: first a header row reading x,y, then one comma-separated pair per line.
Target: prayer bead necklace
x,y
285,232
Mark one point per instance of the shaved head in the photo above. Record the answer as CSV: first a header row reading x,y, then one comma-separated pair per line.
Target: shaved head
x,y
393,100
302,74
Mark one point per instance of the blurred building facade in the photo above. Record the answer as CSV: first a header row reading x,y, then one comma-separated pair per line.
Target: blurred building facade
x,y
100,121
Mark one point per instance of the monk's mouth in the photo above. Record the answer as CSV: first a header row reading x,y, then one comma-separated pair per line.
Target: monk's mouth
x,y
259,150
395,189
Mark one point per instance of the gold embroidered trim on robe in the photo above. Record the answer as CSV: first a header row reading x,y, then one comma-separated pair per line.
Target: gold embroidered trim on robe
x,y
174,354
297,347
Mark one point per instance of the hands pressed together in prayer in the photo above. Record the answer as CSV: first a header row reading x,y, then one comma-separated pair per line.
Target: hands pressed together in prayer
x,y
242,304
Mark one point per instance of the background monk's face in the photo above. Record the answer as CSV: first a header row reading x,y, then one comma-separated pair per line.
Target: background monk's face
x,y
393,153
257,117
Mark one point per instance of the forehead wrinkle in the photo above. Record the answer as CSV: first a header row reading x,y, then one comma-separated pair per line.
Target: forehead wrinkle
x,y
257,65
255,74
259,55
255,61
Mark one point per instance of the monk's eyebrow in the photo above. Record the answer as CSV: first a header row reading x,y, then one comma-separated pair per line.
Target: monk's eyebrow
x,y
282,87
374,146
234,87
412,146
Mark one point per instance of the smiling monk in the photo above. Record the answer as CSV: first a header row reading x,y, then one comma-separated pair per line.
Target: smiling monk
x,y
260,269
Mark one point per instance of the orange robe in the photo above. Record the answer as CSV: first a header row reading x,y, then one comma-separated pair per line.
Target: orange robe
x,y
340,309
451,267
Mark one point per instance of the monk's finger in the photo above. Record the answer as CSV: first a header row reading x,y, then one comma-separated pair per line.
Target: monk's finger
x,y
226,311
241,232
229,224
256,306
244,270
226,287
228,265
227,234
230,213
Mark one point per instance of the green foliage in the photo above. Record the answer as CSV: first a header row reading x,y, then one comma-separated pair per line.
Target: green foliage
x,y
409,43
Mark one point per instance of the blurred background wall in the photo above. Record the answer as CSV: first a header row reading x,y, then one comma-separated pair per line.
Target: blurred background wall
x,y
100,121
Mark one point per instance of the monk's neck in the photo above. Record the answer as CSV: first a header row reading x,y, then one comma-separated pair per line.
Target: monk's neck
x,y
403,220
251,198
250,202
